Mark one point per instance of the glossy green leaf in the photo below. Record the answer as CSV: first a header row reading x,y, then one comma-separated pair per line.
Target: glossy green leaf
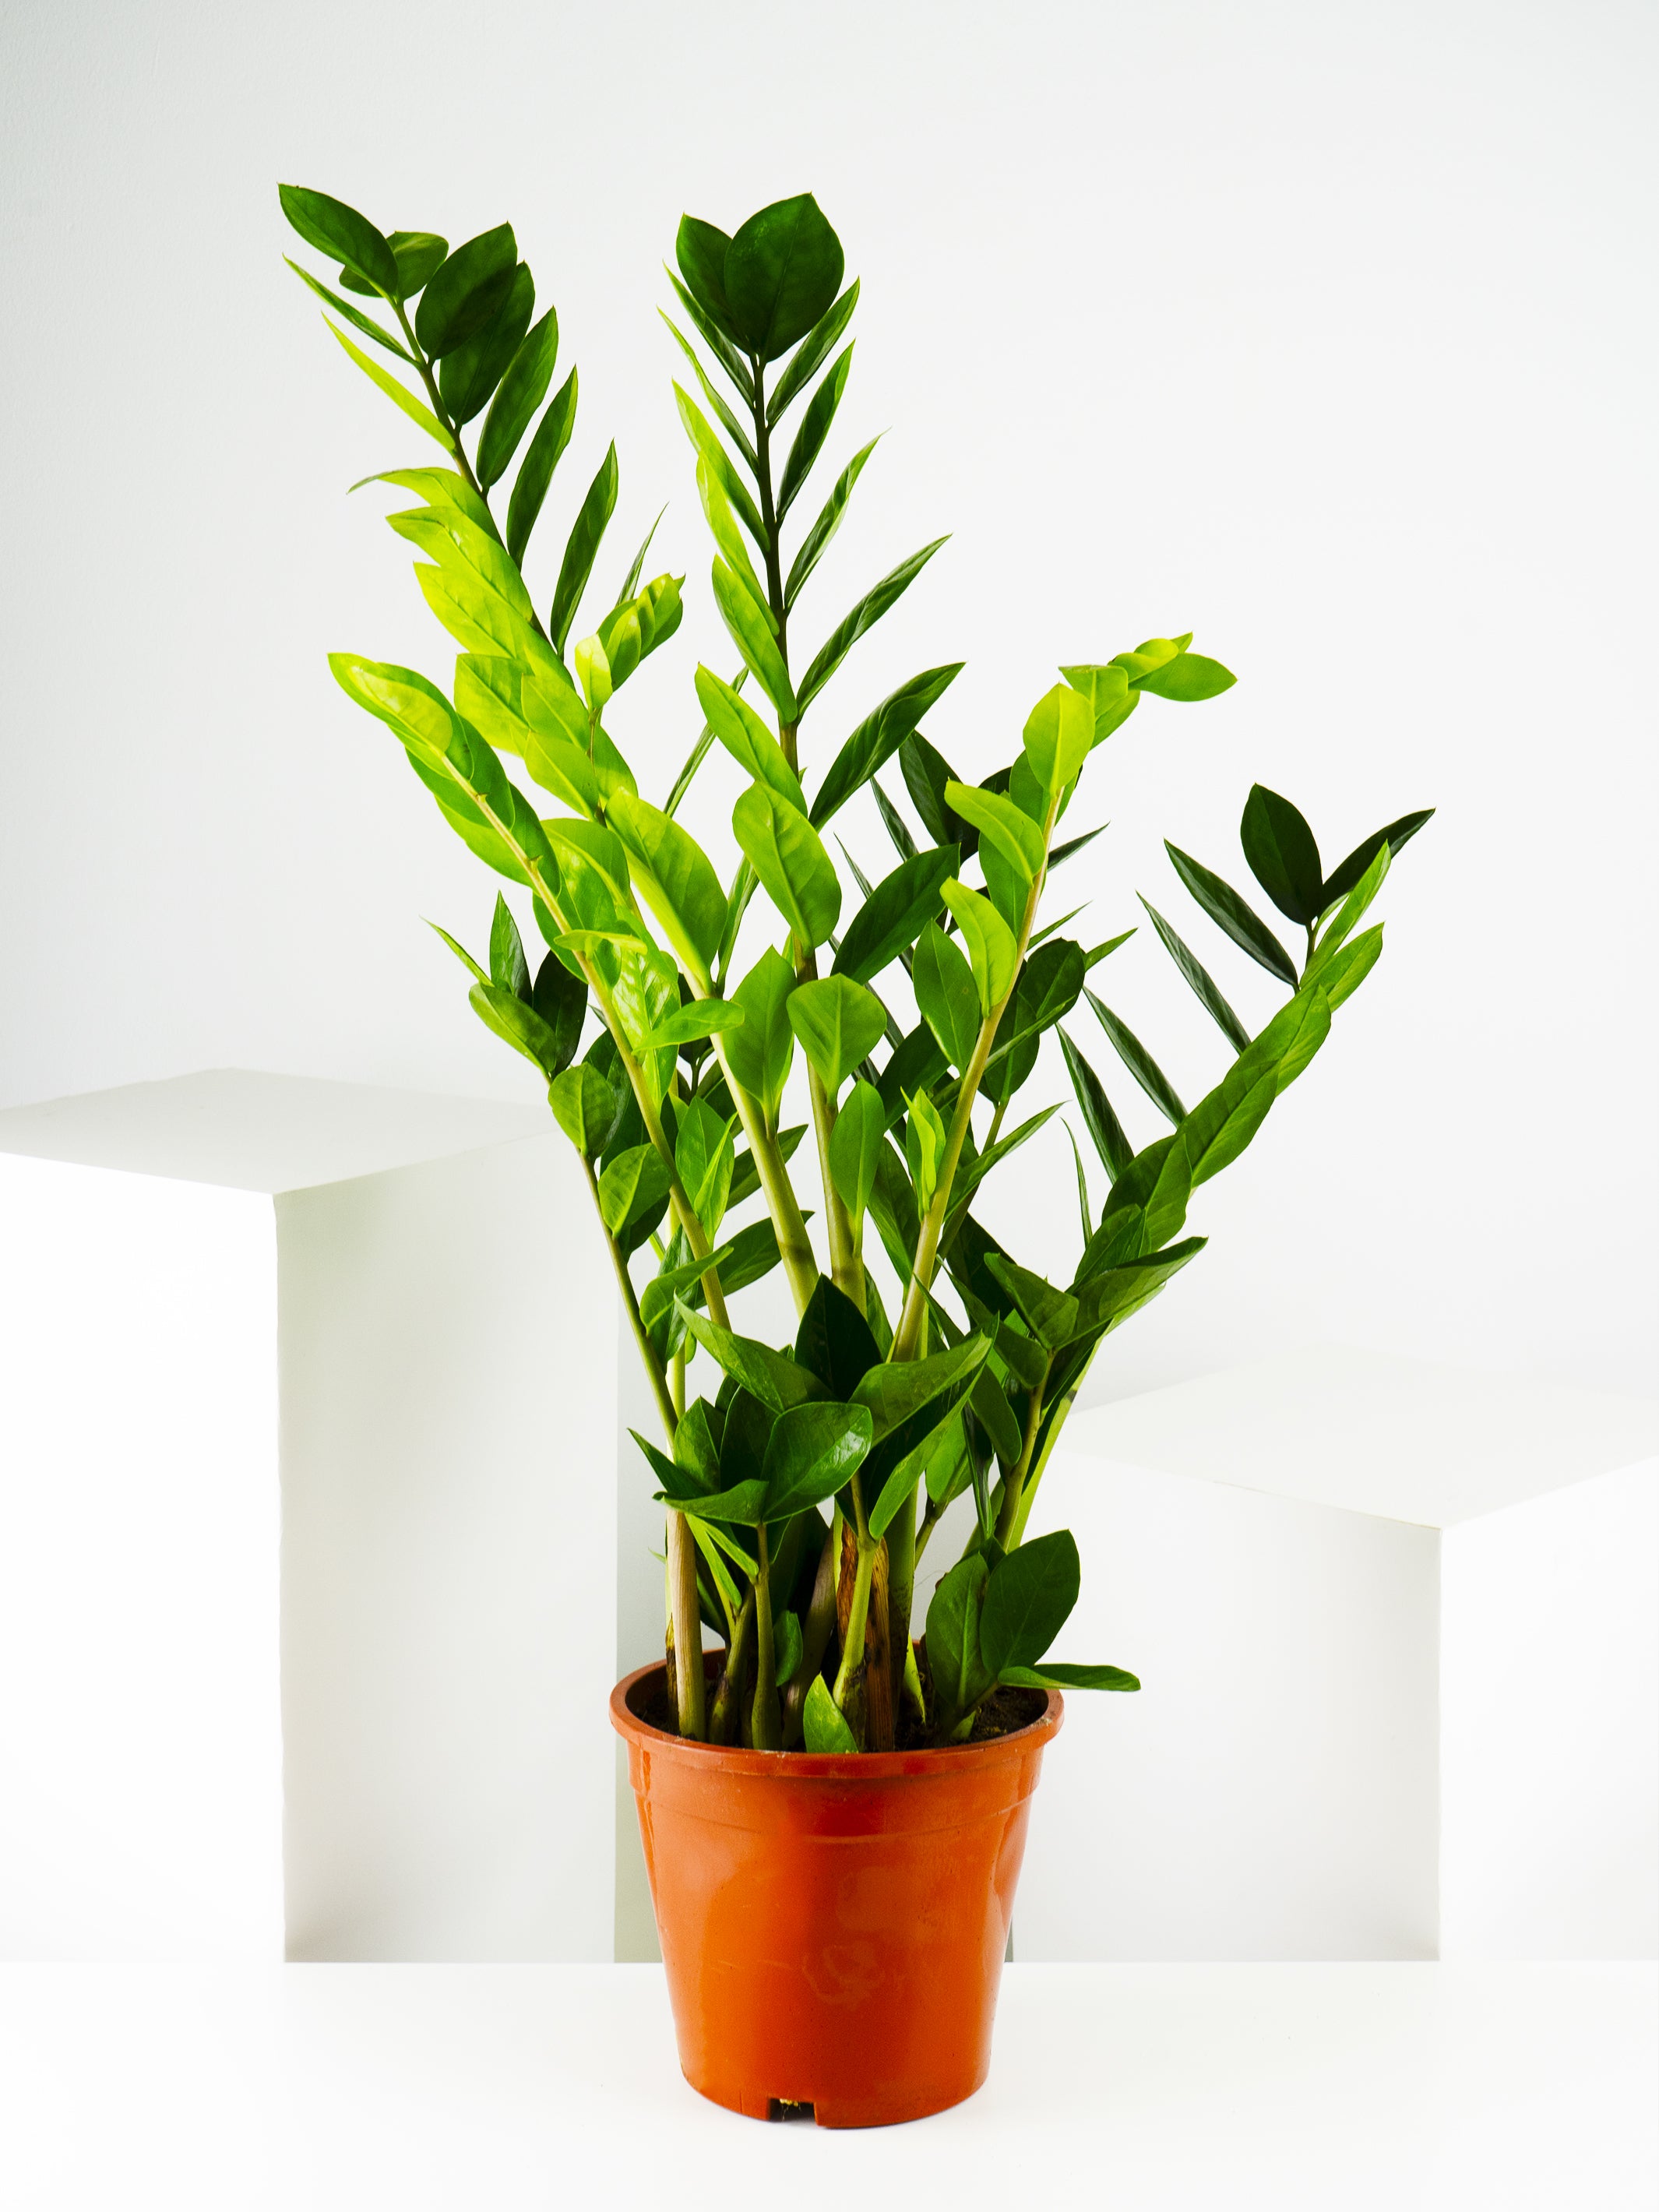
x,y
1028,1600
961,1678
1101,1123
518,1025
863,616
925,1146
814,1451
1282,854
1107,690
416,410
708,448
535,470
585,1107
1343,878
1353,906
703,1017
789,860
523,388
778,1382
479,975
723,527
466,291
1060,733
747,739
835,1342
1002,825
823,1728
728,421
508,969
783,269
947,997
676,879
893,822
355,316
341,234
787,1645
581,548
970,1173
716,339
1045,992
468,376
1107,1296
1050,1314
894,912
926,772
1348,968
814,429
1139,1062
814,352
759,1054
839,1023
1200,982
990,943
634,1181
1229,912
751,628
419,255
701,250
561,1000
817,540
1188,678
855,1145
879,735
1055,1675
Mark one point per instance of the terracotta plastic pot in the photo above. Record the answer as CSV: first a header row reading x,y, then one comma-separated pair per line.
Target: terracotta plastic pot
x,y
833,1929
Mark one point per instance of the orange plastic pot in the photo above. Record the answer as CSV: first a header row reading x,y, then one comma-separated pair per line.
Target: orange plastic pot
x,y
833,1929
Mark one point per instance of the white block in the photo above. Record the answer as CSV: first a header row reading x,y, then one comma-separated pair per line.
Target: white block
x,y
1395,1626
140,1777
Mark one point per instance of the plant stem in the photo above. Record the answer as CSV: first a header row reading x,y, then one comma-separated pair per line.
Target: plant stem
x,y
685,1626
845,1266
820,1620
1014,1484
666,1405
900,1590
766,1722
852,1650
800,1263
731,1682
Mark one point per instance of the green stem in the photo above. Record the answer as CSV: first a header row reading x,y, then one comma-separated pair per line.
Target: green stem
x,y
766,1722
685,1627
794,1246
654,1367
901,1588
815,1642
1014,1484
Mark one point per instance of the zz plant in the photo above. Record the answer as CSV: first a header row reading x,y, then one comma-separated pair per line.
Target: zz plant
x,y
804,1484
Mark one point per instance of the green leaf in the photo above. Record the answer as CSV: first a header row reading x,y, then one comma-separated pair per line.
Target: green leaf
x,y
467,377
893,822
678,880
782,271
1060,733
924,1146
518,1024
961,1678
926,772
814,1451
947,997
1050,1315
1054,1676
508,967
990,942
723,526
1283,856
1200,982
759,1054
1229,912
1107,690
1028,1600
1337,930
1188,678
971,1173
817,540
896,1391
747,739
1045,992
879,735
341,233
788,858
635,1180
728,421
416,410
703,1157
581,548
712,335
561,1000
1006,827
700,250
787,1646
821,1726
1101,1123
1348,969
778,1382
895,912
535,470
1109,1295
1139,1062
813,354
703,1017
855,1146
709,449
479,975
419,255
750,628
355,316
835,1342
863,616
839,1022
467,292
814,429
585,1107
523,389
1348,874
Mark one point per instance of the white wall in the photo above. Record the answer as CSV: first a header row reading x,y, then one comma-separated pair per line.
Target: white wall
x,y
1323,331
140,1745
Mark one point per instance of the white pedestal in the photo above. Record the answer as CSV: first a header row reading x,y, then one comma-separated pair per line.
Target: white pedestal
x,y
1395,1625
447,1356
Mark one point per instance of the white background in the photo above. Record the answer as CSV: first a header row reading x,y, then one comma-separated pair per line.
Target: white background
x,y
1323,331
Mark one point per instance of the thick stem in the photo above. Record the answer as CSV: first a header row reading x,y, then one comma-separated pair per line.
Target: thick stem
x,y
795,1247
766,1720
858,1612
820,1620
845,1267
1014,1484
666,1406
728,1696
900,1592
686,1626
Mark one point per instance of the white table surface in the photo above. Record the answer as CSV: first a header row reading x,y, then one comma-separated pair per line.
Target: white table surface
x,y
1342,2087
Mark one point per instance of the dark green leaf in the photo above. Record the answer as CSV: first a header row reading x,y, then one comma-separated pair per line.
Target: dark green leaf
x,y
1050,1313
716,340
971,1173
1073,845
782,271
893,822
354,315
990,1402
1109,1295
1027,1601
341,233
1044,993
879,735
524,388
468,375
1102,1124
813,545
1229,912
1200,982
700,250
812,355
914,1065
582,548
561,1000
1054,1676
814,429
815,1451
416,253
1349,872
1282,854
868,611
778,1382
467,291
834,1340
960,1676
897,1391
894,912
1139,1062
535,470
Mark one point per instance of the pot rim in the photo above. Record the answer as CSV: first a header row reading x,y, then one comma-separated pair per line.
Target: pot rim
x,y
829,1766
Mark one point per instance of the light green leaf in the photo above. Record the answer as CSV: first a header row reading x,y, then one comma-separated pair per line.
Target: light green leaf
x,y
708,448
703,1017
354,316
839,1023
746,737
1002,824
585,1107
823,1728
676,879
789,860
1336,931
855,1145
758,1054
947,997
723,524
416,410
990,942
924,1144
1107,690
1060,733
750,628
634,1182
1055,1675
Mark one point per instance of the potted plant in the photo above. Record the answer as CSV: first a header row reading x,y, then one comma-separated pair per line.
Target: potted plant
x,y
833,1806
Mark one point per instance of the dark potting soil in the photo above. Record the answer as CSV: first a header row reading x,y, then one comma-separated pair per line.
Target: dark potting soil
x,y
1002,1713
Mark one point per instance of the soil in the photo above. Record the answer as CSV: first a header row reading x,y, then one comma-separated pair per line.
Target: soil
x,y
1003,1712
